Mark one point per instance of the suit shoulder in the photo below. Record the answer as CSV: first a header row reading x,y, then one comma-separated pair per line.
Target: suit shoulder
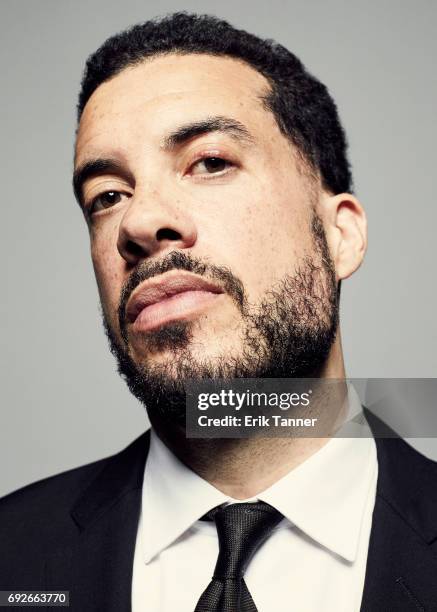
x,y
39,517
401,459
408,459
407,480
56,487
43,507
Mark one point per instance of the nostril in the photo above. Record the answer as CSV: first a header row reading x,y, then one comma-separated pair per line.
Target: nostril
x,y
134,249
167,234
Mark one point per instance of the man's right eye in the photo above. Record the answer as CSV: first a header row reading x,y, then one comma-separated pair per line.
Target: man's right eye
x,y
105,200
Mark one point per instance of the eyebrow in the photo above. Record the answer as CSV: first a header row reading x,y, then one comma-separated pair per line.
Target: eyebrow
x,y
219,123
178,137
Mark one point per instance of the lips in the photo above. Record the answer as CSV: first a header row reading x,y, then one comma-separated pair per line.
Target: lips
x,y
159,290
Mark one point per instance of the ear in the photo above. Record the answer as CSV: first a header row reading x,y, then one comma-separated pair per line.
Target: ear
x,y
346,232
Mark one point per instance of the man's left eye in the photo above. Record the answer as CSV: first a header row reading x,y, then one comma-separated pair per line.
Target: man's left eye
x,y
210,165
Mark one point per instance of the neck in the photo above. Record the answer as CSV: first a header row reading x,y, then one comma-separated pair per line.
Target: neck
x,y
244,467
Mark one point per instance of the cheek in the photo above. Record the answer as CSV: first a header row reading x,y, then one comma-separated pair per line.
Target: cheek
x,y
107,269
266,240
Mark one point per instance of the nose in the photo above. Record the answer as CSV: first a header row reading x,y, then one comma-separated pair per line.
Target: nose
x,y
151,225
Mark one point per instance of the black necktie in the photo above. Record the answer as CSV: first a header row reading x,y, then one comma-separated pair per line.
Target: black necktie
x,y
241,529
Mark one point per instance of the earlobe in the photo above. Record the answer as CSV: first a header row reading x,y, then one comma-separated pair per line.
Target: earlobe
x,y
348,235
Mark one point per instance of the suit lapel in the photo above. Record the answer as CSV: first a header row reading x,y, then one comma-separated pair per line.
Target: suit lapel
x,y
401,573
97,567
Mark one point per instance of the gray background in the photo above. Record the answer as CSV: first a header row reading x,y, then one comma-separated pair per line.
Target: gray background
x,y
62,403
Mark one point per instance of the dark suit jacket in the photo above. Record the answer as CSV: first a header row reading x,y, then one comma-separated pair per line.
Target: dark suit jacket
x,y
76,532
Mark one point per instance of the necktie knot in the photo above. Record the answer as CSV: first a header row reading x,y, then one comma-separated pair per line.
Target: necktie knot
x,y
241,529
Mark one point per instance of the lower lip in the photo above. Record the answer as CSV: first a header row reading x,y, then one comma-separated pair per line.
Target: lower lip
x,y
177,307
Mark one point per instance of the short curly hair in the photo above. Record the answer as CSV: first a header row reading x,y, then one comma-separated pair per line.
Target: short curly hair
x,y
302,106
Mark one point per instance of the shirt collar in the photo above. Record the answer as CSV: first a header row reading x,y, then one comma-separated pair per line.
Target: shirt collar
x,y
174,497
325,497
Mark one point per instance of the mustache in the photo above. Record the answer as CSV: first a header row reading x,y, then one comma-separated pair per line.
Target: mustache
x,y
177,260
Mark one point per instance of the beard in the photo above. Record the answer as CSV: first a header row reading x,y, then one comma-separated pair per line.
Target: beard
x,y
288,335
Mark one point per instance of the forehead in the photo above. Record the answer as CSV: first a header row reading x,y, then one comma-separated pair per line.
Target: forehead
x,y
164,90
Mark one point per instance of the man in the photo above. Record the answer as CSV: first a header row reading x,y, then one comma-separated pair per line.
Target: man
x,y
211,169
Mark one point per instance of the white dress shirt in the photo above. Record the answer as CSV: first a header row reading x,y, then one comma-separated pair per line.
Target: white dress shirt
x,y
314,560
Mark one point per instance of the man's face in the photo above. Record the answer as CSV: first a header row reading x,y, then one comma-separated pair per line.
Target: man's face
x,y
204,239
